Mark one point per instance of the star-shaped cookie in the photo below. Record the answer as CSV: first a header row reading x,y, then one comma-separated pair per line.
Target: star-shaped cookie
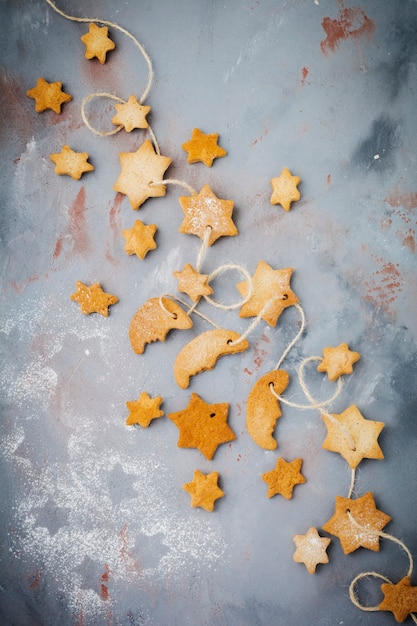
x,y
400,599
139,170
311,549
352,436
92,299
131,115
203,426
194,284
97,43
48,96
207,210
338,361
143,410
283,478
357,523
268,285
204,490
202,147
284,189
140,239
71,163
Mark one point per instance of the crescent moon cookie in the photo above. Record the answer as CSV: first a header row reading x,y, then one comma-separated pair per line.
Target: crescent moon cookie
x,y
263,408
48,96
202,147
284,189
97,43
153,321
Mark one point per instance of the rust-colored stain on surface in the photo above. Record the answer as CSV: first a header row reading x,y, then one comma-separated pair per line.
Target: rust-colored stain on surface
x,y
408,200
384,286
115,228
352,24
304,74
104,592
76,232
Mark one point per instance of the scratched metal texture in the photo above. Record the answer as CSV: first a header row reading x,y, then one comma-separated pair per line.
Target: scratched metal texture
x,y
95,526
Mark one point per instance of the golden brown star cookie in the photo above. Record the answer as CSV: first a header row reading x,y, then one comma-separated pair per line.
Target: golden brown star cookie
x,y
203,426
71,163
48,96
202,147
352,436
284,189
143,410
283,478
194,284
131,115
400,599
206,210
140,239
311,549
97,43
204,490
92,299
338,361
357,523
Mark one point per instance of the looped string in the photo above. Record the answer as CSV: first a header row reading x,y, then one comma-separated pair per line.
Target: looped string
x,y
174,181
296,338
255,322
88,99
352,591
220,270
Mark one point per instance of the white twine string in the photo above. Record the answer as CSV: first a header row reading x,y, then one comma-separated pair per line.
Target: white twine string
x,y
296,338
226,268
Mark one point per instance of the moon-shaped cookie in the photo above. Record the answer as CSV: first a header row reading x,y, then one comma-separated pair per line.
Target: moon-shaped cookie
x,y
202,353
263,409
153,321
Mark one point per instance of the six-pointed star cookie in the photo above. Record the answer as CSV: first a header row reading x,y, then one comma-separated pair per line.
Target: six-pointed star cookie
x,y
140,239
48,96
268,285
311,549
193,283
205,210
352,436
139,171
143,410
131,115
92,299
338,361
283,478
284,189
202,147
357,523
97,42
71,163
203,426
204,490
400,599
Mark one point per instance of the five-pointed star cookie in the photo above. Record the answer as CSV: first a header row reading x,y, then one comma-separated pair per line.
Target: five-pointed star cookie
x,y
284,189
338,361
205,210
311,549
97,42
71,163
202,147
400,599
204,490
131,115
203,426
139,171
357,523
140,239
194,284
352,436
143,410
92,299
283,478
268,285
48,96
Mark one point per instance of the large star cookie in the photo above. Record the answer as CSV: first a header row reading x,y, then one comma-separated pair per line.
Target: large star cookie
x,y
92,299
204,490
71,163
352,436
206,210
140,239
97,43
202,147
194,284
203,426
143,410
311,549
338,361
284,189
131,115
48,96
400,599
283,478
269,286
139,171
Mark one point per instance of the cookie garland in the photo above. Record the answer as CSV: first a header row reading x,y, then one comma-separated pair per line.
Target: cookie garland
x,y
356,521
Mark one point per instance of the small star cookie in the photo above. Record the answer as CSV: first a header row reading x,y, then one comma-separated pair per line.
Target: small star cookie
x,y
194,284
139,171
92,299
140,239
338,361
311,549
97,43
284,189
71,163
131,115
283,478
206,210
202,147
400,599
143,410
48,96
204,490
